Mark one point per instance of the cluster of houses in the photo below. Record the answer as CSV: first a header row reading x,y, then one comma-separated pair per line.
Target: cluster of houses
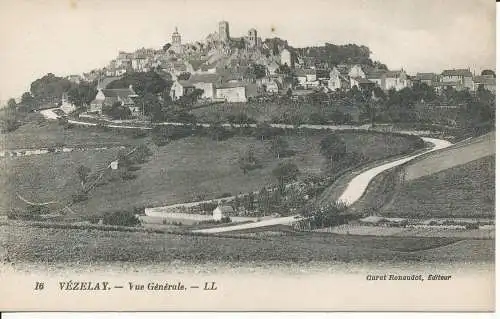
x,y
222,67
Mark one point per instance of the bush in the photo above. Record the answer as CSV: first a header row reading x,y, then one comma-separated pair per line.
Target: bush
x,y
121,218
80,197
126,175
9,125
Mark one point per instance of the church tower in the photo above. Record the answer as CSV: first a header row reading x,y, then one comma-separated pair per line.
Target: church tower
x,y
224,31
176,42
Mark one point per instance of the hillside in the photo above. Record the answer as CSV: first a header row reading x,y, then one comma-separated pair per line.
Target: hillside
x,y
466,190
456,182
460,154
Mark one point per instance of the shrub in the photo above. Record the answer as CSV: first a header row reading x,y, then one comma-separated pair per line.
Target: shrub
x,y
121,218
80,197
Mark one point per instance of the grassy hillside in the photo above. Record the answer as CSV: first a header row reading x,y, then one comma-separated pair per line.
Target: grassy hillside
x,y
462,191
43,134
459,154
189,169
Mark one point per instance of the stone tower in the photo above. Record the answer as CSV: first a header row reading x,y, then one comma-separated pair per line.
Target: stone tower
x,y
252,38
224,31
176,41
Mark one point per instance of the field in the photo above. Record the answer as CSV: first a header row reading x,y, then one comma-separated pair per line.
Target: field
x,y
484,233
189,169
34,244
43,134
463,191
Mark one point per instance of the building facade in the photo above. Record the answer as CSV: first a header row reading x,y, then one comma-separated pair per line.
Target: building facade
x,y
463,77
286,58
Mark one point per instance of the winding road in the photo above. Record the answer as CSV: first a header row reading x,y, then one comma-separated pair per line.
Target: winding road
x,y
353,192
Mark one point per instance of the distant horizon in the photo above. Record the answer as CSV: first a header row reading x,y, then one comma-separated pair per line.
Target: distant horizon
x,y
428,36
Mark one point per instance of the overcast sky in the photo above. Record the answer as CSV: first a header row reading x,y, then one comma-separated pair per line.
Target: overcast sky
x,y
73,36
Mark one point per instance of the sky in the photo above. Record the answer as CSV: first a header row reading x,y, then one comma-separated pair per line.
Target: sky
x,y
74,36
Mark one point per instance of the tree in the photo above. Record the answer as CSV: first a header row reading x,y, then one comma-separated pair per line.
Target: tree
x,y
141,154
142,83
218,133
257,70
27,100
248,161
117,111
149,104
279,146
83,173
284,69
166,47
11,104
184,76
488,73
121,218
82,94
333,148
285,173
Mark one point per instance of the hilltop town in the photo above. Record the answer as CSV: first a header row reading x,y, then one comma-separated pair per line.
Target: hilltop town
x,y
237,69
255,138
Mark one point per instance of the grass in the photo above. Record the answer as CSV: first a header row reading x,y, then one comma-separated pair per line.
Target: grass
x,y
190,169
46,177
34,244
42,134
463,191
265,112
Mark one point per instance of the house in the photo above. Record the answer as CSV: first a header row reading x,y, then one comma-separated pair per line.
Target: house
x,y
428,78
180,88
222,211
377,77
306,78
337,81
107,97
462,76
362,83
486,81
395,80
356,72
205,82
439,87
66,106
233,91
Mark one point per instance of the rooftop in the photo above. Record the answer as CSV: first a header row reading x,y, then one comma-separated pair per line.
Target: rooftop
x,y
457,72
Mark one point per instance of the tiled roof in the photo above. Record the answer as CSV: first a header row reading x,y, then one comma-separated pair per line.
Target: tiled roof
x,y
426,76
392,74
457,72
